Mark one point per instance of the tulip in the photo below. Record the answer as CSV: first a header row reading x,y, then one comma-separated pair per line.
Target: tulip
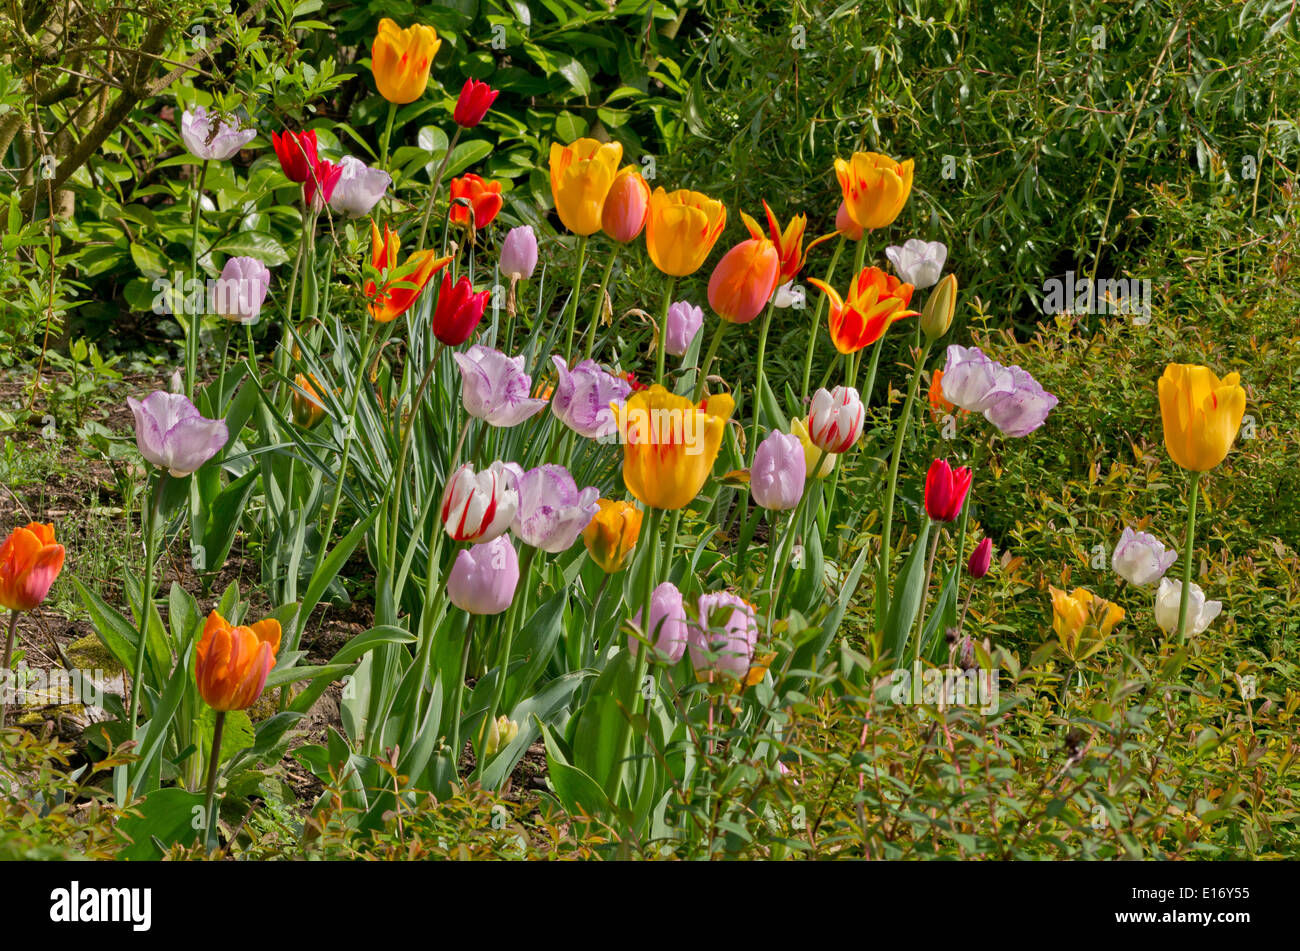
x,y
519,253
973,381
359,187
475,100
1082,621
583,396
918,262
670,444
626,205
494,387
777,476
582,174
980,559
319,188
835,419
1201,414
874,187
743,281
940,308
296,152
400,60
308,410
1024,409
681,229
1140,558
1200,613
478,507
484,577
874,301
612,533
484,201
945,490
501,733
725,635
30,560
458,311
684,322
668,632
211,138
552,511
171,434
233,662
788,242
845,226
402,288
939,404
811,451
241,290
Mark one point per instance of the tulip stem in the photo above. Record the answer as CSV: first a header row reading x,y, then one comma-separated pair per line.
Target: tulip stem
x,y
758,376
399,479
817,322
600,305
796,520
196,318
388,134
209,810
146,599
347,439
433,190
571,307
925,595
891,491
4,670
708,359
499,688
643,649
460,697
1184,597
661,354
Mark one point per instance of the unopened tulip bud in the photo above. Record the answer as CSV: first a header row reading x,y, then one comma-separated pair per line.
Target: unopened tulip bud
x,y
501,733
937,316
980,559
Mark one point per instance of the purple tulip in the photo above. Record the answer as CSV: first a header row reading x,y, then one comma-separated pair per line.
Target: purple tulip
x,y
359,188
668,631
684,322
917,262
172,435
495,387
484,577
1141,558
519,253
777,476
972,381
582,398
210,138
552,512
725,635
241,290
1021,411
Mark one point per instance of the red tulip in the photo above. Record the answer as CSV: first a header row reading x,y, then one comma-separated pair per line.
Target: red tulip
x,y
475,100
324,176
296,152
484,200
945,490
458,312
980,559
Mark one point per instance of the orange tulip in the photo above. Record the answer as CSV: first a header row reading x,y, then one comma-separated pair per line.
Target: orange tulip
x,y
681,230
875,300
308,410
612,533
874,186
626,205
582,174
789,243
484,200
400,60
233,662
30,560
401,287
744,280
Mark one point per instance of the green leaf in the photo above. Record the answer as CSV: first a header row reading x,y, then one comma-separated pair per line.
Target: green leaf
x,y
164,818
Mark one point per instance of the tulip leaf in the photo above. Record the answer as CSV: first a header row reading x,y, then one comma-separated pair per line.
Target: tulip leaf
x,y
164,818
578,793
112,629
908,592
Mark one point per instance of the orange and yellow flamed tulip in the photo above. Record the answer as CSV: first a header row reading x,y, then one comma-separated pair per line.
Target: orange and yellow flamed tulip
x,y
874,301
681,230
743,281
400,60
30,560
1082,621
1201,414
670,444
875,188
581,176
788,242
401,287
233,662
612,533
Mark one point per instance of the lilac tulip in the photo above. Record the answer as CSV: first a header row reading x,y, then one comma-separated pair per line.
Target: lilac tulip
x,y
172,435
668,630
484,578
552,512
725,635
684,322
210,138
1141,558
917,262
359,188
777,476
519,253
582,398
972,381
495,388
241,290
1021,411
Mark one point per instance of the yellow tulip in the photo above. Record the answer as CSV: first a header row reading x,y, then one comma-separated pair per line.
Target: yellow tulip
x,y
811,452
400,60
612,533
581,176
874,186
681,230
1082,621
1201,414
670,444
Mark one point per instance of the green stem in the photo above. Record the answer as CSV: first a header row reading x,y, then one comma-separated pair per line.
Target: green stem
x,y
209,810
388,133
661,355
366,341
196,318
9,656
433,189
758,375
891,491
512,613
815,329
460,696
146,599
399,478
571,319
600,304
708,359
1189,540
925,593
